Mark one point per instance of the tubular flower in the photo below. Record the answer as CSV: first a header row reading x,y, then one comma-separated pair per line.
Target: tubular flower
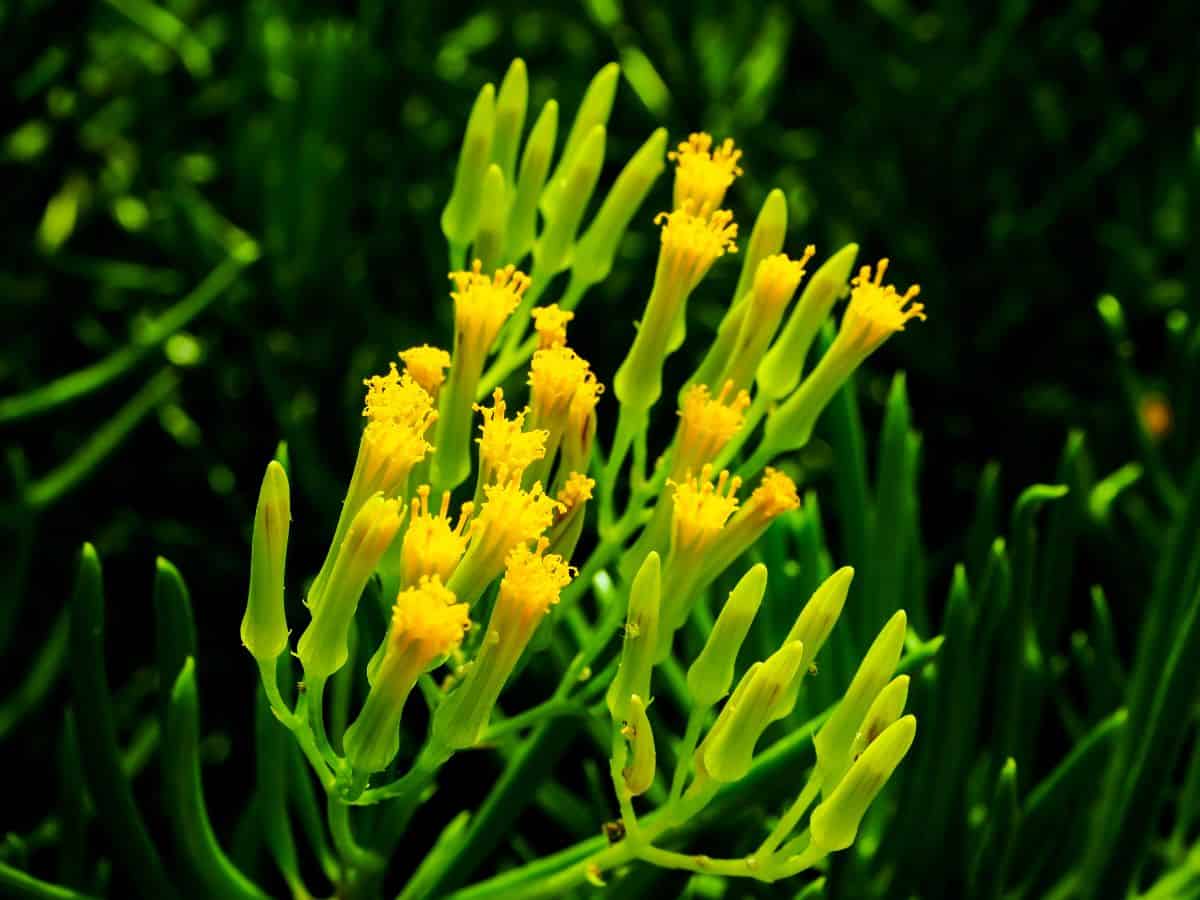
x,y
506,450
568,523
481,307
580,433
691,243
875,312
550,322
427,625
533,581
432,546
703,175
556,375
399,413
510,516
427,365
775,495
706,425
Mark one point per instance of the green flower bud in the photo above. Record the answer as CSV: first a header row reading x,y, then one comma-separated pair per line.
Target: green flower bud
x,y
766,239
641,639
639,773
886,709
493,215
323,647
821,613
834,824
594,110
264,627
535,163
511,104
728,750
836,737
711,675
780,370
460,218
597,248
552,252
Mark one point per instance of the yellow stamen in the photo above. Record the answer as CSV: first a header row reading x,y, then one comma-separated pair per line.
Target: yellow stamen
x,y
774,496
877,311
482,304
427,623
703,175
776,280
432,545
691,243
701,510
550,322
514,515
706,425
427,365
576,490
533,580
556,376
506,450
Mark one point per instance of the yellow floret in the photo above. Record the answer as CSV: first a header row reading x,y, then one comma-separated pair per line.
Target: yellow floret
x,y
482,304
776,279
703,175
533,579
576,490
556,376
877,311
691,243
427,622
702,509
427,365
432,545
706,425
550,322
506,450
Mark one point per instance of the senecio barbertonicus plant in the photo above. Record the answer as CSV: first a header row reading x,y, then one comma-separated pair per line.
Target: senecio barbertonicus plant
x,y
478,569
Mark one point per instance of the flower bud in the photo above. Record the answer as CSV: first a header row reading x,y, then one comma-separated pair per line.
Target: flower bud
x,y
594,109
264,627
834,824
460,218
324,645
595,251
493,217
887,708
641,640
728,750
780,370
711,675
835,739
535,163
639,773
821,613
552,251
511,104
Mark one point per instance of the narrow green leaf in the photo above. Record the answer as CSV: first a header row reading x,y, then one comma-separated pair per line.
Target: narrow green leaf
x,y
174,630
193,831
989,868
985,522
271,771
16,883
439,857
110,788
40,677
72,807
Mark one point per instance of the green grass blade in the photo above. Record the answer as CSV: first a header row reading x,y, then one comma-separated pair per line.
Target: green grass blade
x,y
40,677
16,883
989,867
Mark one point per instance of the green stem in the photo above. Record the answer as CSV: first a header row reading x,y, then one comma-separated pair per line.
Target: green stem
x,y
687,750
549,709
352,855
789,820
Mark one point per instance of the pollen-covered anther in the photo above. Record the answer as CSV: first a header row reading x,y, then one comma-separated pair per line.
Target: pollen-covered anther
x,y
692,242
427,365
778,276
427,621
433,545
702,508
550,322
702,174
876,311
707,424
506,449
482,304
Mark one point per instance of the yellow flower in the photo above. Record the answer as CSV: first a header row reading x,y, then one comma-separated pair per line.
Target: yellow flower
x,y
576,491
399,413
432,546
533,581
706,425
556,376
550,322
427,365
775,495
580,433
509,516
703,175
506,450
427,625
877,311
482,304
692,242
776,280
568,524
701,511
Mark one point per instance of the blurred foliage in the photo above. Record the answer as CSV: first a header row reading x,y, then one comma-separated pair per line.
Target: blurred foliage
x,y
221,216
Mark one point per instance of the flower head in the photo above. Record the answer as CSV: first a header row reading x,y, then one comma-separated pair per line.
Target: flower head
x,y
706,425
550,322
399,413
703,175
776,280
427,622
556,376
482,304
877,311
427,365
533,579
576,490
691,243
506,449
432,545
701,510
775,495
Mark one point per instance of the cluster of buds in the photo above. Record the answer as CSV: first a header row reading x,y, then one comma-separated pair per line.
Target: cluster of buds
x,y
508,546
